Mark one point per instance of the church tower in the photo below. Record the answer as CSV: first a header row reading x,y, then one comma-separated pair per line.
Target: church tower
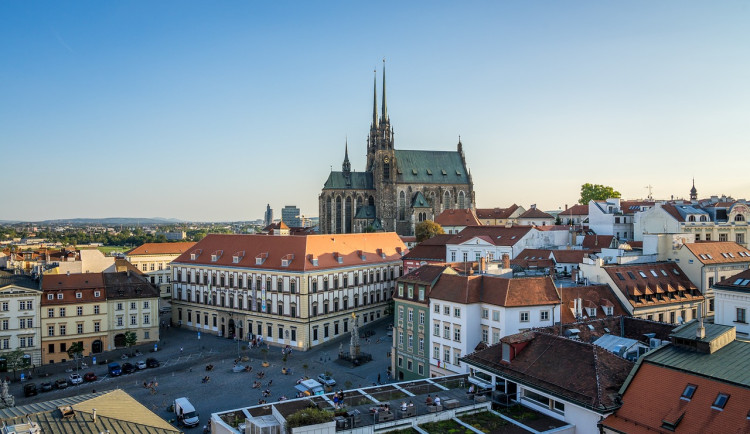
x,y
381,162
693,192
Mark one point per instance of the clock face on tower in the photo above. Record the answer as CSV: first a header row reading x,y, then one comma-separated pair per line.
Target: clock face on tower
x,y
385,160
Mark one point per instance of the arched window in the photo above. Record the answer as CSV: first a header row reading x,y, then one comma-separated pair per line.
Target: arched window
x,y
446,200
704,218
402,206
348,215
739,218
339,220
268,285
329,213
461,200
371,201
315,308
293,310
691,218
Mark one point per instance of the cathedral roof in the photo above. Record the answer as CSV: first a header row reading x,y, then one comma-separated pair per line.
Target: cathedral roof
x,y
430,167
357,181
365,212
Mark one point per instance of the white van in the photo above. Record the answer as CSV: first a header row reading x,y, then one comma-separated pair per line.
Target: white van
x,y
310,387
185,412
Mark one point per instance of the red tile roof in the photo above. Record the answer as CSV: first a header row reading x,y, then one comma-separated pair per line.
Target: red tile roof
x,y
597,242
535,213
126,285
432,249
496,213
457,217
672,211
718,252
496,235
162,248
298,250
593,296
739,281
533,258
653,279
570,256
576,210
69,285
578,372
653,397
500,291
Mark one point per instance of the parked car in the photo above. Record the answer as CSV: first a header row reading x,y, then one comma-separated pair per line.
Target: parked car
x,y
46,386
128,368
29,389
326,380
75,379
140,365
152,362
90,376
61,383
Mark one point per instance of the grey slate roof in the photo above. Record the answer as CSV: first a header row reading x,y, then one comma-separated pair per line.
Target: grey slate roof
x,y
430,167
365,212
20,280
358,181
730,363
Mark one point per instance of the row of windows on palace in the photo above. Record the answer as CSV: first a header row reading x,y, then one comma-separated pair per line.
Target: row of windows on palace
x,y
231,280
119,322
254,305
290,334
146,266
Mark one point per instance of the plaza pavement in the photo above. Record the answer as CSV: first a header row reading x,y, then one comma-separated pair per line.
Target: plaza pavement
x,y
181,372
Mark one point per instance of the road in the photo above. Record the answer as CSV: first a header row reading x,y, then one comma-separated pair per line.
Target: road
x,y
184,357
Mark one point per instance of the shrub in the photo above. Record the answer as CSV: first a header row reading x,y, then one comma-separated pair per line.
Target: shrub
x,y
308,416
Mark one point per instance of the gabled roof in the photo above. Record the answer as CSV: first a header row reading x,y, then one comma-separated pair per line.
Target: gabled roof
x,y
162,248
355,181
665,278
267,252
570,256
499,291
534,258
425,274
535,213
457,217
575,210
419,201
430,167
496,213
718,252
496,235
597,242
365,212
574,371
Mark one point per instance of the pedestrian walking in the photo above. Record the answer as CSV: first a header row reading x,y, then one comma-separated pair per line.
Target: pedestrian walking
x,y
180,350
378,378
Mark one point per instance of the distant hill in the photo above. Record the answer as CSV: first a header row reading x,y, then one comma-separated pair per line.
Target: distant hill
x,y
113,221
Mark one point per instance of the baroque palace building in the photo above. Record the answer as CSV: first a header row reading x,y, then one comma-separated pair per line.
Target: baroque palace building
x,y
398,188
297,290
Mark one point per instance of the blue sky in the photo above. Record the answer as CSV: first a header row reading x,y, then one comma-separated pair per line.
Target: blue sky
x,y
210,110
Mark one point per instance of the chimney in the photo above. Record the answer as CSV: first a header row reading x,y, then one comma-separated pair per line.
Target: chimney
x,y
506,261
128,273
94,415
700,333
482,265
68,273
566,207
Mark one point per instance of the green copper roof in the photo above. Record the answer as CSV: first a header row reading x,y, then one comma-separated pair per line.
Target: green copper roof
x,y
357,181
430,167
365,212
730,363
419,201
377,225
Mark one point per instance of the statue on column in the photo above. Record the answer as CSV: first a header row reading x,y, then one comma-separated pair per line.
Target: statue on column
x,y
354,341
6,399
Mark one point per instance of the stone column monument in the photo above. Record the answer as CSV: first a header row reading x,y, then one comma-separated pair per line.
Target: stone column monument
x,y
354,342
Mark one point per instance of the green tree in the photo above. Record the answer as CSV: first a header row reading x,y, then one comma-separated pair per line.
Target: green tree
x,y
130,339
591,192
427,229
75,350
15,360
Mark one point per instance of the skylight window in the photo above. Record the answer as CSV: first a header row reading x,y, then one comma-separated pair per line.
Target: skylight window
x,y
677,273
731,255
620,276
737,282
642,274
702,256
721,401
745,282
653,273
709,256
689,391
664,273
631,275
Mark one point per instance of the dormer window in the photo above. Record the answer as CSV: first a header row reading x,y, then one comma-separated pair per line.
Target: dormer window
x,y
194,254
260,259
79,295
59,296
237,257
216,255
591,311
286,260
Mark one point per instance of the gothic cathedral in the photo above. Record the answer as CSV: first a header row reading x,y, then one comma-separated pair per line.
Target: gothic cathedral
x,y
398,188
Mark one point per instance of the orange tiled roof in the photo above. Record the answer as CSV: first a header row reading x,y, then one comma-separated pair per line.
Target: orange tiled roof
x,y
500,291
496,213
69,285
496,235
576,210
718,252
457,217
162,248
597,242
665,278
268,252
594,296
535,213
653,397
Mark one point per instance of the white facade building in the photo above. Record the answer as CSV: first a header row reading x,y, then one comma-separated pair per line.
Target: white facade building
x,y
19,316
732,303
615,217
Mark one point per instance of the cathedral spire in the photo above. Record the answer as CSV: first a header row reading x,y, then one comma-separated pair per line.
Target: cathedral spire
x,y
693,192
346,167
374,98
385,108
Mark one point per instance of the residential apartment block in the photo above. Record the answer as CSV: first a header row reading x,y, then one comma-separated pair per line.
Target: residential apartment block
x,y
19,317
132,306
291,290
615,217
732,305
154,259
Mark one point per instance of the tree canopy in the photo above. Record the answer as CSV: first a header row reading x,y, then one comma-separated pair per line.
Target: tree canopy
x,y
130,339
591,192
427,229
75,350
15,360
